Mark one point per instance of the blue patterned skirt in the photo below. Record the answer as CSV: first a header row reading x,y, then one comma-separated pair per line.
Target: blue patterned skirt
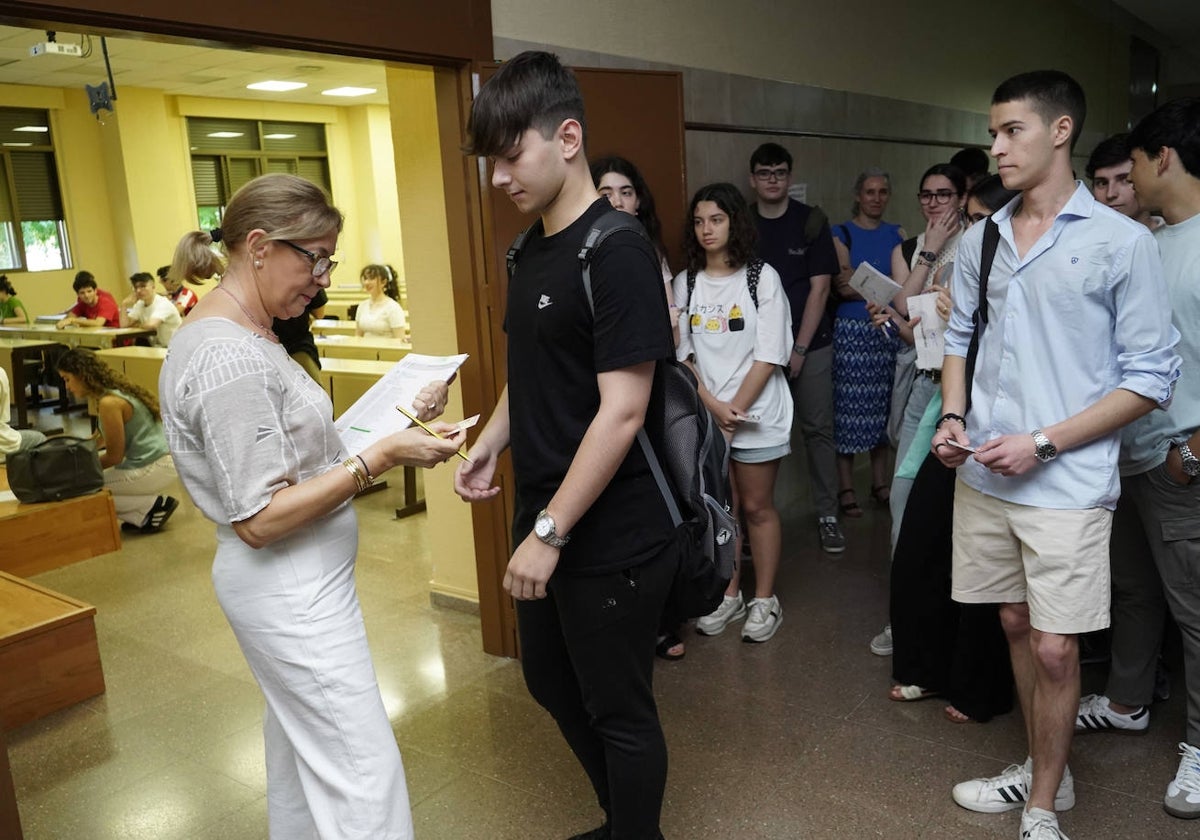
x,y
864,363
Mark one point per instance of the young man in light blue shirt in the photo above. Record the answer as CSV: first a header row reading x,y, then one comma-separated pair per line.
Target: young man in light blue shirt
x,y
1078,342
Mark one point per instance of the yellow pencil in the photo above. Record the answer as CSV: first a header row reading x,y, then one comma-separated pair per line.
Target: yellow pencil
x,y
413,418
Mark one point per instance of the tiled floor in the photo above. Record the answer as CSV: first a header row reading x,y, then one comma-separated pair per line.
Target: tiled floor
x,y
792,739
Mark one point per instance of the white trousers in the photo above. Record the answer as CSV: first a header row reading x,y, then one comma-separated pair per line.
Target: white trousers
x,y
333,768
135,491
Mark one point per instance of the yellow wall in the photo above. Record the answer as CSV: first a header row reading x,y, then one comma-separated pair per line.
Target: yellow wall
x,y
127,188
941,52
427,264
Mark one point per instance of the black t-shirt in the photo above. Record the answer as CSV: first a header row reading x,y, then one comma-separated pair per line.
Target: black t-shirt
x,y
782,245
295,334
555,351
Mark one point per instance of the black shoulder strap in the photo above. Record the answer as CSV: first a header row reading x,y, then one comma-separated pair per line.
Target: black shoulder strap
x,y
691,287
813,224
514,250
613,221
907,248
753,272
979,318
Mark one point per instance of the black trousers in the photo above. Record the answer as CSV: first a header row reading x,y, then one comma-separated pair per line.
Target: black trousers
x,y
956,649
587,652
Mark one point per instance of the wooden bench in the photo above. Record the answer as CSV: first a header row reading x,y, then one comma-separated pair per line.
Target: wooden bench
x,y
45,536
48,652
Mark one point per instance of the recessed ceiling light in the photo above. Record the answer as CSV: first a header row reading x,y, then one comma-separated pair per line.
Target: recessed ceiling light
x,y
278,136
18,144
224,134
41,129
348,91
278,87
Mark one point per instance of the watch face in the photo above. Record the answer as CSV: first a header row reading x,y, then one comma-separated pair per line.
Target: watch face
x,y
542,526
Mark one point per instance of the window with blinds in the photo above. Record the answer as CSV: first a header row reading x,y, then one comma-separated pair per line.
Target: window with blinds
x,y
226,153
33,232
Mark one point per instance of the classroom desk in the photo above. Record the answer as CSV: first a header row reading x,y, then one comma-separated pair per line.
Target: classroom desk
x,y
333,326
368,348
48,535
14,352
141,365
94,337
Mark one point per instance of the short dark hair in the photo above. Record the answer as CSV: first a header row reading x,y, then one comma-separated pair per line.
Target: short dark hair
x,y
163,272
991,193
971,161
1052,93
84,280
647,213
1111,151
141,277
770,154
743,233
530,90
6,286
946,170
1175,125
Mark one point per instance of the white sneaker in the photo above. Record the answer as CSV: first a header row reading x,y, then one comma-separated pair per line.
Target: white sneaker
x,y
1096,715
1183,794
881,645
732,608
1010,790
1037,824
765,617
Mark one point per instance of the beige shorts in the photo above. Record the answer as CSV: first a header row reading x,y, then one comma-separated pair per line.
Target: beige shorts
x,y
1054,560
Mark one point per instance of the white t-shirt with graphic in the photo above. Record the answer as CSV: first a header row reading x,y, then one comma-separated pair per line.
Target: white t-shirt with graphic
x,y
380,319
726,333
162,309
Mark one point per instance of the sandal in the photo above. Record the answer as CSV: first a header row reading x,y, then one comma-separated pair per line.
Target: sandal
x,y
882,494
670,647
955,716
909,693
164,506
851,507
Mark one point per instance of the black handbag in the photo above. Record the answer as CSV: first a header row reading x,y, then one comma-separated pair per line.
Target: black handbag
x,y
59,468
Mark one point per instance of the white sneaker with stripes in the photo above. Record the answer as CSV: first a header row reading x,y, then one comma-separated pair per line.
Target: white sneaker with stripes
x,y
1010,790
1096,715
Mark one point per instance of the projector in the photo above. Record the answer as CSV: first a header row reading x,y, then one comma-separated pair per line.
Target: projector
x,y
55,48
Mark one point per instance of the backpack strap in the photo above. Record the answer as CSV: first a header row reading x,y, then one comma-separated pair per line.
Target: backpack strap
x,y
991,241
813,224
613,221
753,272
691,287
514,250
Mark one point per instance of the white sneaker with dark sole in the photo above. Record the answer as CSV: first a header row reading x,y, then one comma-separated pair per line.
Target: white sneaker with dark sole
x,y
1009,791
765,617
1038,824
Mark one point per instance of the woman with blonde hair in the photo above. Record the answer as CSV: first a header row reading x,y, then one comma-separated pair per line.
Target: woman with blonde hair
x,y
137,465
256,447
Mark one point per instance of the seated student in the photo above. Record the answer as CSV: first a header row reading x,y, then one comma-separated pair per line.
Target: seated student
x,y
179,294
137,464
146,308
13,440
95,308
12,311
380,314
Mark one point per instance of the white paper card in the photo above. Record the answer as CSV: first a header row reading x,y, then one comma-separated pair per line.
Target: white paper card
x,y
875,286
374,416
929,334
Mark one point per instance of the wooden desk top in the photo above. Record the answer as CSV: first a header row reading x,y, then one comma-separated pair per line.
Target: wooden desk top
x,y
14,343
134,352
48,332
372,341
368,367
333,326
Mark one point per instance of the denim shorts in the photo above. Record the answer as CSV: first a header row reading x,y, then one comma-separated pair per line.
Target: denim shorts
x,y
760,455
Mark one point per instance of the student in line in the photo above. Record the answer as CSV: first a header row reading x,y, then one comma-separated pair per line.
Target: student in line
x,y
736,333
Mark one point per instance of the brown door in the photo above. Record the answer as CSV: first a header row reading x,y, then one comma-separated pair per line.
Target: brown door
x,y
637,115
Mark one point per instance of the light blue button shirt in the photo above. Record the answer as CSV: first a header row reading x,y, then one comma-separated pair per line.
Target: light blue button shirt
x,y
1144,442
1083,313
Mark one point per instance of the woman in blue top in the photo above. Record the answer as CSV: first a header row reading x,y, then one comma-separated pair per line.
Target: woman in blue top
x,y
864,356
137,464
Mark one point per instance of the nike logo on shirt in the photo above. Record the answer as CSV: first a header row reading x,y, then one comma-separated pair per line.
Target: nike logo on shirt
x,y
544,302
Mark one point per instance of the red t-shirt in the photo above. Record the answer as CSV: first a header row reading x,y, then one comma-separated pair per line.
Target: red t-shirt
x,y
105,307
186,298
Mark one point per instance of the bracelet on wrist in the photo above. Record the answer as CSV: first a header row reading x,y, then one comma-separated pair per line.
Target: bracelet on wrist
x,y
962,421
362,479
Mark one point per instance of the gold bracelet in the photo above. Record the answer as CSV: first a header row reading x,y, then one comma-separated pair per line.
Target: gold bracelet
x,y
356,472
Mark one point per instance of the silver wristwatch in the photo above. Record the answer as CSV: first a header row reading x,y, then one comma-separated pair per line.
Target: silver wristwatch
x,y
1191,464
544,529
1045,451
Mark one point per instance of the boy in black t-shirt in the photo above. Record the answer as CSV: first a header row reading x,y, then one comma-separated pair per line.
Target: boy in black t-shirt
x,y
593,554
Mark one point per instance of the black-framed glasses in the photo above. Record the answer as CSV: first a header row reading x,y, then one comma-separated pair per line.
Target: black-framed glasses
x,y
772,174
935,196
320,265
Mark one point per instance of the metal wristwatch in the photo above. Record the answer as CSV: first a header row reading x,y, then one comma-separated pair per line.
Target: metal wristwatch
x,y
544,529
1191,464
1046,451
928,256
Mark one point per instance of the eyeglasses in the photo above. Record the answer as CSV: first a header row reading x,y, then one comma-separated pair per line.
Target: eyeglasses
x,y
935,197
320,265
772,174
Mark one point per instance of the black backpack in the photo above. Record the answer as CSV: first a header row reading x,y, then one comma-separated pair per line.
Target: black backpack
x,y
693,471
